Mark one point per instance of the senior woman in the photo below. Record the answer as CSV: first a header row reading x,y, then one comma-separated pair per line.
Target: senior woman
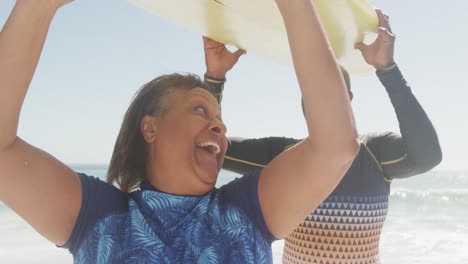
x,y
167,158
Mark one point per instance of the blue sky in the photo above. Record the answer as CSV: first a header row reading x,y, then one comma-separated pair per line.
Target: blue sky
x,y
100,52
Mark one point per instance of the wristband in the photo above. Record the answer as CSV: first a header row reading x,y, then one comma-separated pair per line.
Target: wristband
x,y
214,80
388,68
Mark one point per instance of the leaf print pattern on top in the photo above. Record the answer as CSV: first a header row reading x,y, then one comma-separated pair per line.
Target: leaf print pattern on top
x,y
165,228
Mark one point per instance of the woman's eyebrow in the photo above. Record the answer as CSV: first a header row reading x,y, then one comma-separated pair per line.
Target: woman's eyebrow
x,y
203,96
207,100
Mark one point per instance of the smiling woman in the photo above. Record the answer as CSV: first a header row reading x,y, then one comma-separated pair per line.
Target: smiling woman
x,y
177,108
166,160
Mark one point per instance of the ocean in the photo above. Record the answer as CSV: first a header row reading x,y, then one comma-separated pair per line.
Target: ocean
x,y
427,223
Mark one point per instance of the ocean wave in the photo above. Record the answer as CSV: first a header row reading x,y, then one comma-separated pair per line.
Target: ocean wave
x,y
458,195
433,180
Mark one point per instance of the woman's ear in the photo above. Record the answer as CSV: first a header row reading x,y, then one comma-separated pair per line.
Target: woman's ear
x,y
148,128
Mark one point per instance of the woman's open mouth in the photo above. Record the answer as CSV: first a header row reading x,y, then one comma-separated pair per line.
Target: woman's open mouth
x,y
211,148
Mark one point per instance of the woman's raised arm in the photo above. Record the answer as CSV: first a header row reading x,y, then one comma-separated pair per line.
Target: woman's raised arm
x,y
42,190
299,179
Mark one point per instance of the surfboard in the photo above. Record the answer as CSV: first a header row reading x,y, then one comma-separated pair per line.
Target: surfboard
x,y
257,26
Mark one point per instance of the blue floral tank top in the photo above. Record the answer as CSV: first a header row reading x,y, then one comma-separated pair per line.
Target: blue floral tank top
x,y
148,226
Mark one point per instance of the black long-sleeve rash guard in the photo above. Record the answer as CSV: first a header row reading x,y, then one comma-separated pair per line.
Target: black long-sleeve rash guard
x,y
415,151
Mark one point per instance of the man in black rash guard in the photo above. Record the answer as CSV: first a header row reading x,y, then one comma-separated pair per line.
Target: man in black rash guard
x,y
346,227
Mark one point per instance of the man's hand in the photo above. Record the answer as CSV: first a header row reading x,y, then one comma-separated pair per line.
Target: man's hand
x,y
380,53
219,60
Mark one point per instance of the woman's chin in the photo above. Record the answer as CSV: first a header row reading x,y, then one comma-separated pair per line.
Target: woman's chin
x,y
205,180
209,178
206,168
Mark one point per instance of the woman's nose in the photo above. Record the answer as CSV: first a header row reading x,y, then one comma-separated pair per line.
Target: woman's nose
x,y
218,127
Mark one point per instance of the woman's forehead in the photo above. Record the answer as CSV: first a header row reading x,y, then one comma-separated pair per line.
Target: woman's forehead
x,y
200,92
187,96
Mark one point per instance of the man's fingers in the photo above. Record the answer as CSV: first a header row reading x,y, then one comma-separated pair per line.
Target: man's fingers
x,y
385,34
209,40
239,53
383,20
211,44
206,40
360,46
382,17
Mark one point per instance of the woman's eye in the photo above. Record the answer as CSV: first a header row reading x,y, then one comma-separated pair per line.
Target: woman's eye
x,y
200,109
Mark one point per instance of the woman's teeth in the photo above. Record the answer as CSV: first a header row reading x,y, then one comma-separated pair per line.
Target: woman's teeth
x,y
211,147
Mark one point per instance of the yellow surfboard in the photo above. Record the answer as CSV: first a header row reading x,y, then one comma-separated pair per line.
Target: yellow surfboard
x,y
257,26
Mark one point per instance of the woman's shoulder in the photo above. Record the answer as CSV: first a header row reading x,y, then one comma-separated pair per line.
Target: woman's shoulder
x,y
101,192
241,195
99,201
